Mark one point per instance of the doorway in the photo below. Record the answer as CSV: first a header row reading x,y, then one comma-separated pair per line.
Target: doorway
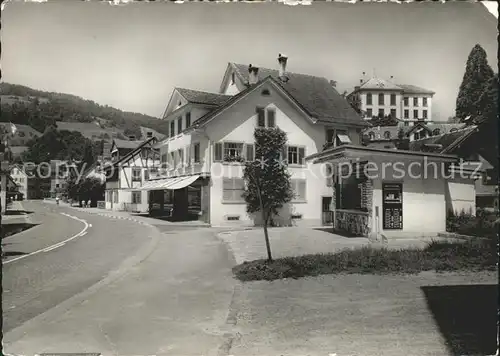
x,y
326,213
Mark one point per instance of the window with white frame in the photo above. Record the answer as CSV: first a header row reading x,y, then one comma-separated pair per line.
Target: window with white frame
x,y
299,189
136,174
415,101
232,150
381,99
424,114
232,190
136,197
369,99
407,114
295,155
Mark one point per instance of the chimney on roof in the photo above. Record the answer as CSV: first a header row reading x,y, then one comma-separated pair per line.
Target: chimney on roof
x,y
333,83
363,79
253,75
282,59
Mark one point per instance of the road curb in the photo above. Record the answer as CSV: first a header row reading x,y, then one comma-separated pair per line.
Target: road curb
x,y
38,321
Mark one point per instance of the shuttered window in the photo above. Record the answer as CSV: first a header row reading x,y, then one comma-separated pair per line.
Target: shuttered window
x,y
232,189
196,152
188,119
299,189
179,125
136,197
295,155
172,128
218,152
261,117
271,118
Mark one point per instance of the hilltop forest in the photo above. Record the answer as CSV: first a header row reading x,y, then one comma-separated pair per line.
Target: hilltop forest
x,y
40,110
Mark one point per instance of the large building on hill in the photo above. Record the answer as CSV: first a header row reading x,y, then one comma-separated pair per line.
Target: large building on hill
x,y
381,97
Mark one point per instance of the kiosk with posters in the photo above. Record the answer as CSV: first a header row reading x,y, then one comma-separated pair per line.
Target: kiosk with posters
x,y
392,206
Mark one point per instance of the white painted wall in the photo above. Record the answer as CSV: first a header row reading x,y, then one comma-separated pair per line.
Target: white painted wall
x,y
461,195
237,124
424,202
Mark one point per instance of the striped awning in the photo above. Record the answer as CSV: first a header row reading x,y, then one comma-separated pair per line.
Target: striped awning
x,y
169,183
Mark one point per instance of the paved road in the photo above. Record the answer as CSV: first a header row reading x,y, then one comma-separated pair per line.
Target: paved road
x,y
38,282
176,301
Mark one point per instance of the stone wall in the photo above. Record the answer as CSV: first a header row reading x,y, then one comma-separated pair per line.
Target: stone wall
x,y
352,221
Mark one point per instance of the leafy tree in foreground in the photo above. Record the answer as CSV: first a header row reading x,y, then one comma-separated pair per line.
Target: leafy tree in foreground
x,y
267,179
476,76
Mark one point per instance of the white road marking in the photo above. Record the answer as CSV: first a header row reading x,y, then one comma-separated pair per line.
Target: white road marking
x,y
57,245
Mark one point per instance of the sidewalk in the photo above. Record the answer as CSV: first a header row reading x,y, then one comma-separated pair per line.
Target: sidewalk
x,y
249,244
124,215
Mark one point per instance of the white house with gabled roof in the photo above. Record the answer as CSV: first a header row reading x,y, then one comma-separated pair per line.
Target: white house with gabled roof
x,y
208,131
126,175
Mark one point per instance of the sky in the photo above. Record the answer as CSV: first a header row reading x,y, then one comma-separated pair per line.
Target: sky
x,y
132,56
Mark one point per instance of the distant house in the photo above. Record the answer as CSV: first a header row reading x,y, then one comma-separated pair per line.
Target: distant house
x,y
17,152
120,148
388,136
21,178
147,132
24,133
125,176
463,143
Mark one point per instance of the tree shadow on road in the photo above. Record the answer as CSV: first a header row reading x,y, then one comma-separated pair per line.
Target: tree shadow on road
x,y
18,212
8,229
466,316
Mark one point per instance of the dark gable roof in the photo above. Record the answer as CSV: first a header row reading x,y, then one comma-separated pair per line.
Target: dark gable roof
x,y
447,142
202,97
127,144
134,151
413,89
315,94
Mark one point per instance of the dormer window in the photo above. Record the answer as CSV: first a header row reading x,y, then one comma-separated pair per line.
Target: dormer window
x,y
387,135
149,134
232,78
266,92
436,132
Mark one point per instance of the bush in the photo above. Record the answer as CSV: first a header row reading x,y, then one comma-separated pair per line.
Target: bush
x,y
482,225
470,255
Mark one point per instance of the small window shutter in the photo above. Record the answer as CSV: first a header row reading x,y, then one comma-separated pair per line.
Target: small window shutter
x,y
250,152
261,117
218,152
271,118
196,152
302,155
284,153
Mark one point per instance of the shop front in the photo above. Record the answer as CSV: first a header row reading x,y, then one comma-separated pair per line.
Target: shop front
x,y
179,198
